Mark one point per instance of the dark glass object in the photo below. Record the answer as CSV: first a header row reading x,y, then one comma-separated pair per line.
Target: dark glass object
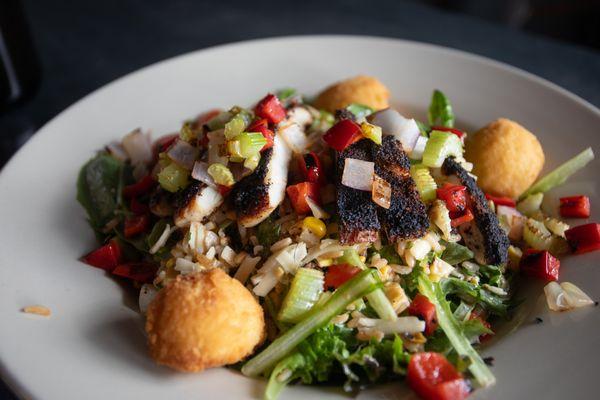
x,y
19,67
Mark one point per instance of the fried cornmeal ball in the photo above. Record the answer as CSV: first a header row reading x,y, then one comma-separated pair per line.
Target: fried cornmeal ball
x,y
203,320
507,158
361,89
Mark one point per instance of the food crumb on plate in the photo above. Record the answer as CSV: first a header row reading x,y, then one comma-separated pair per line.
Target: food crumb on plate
x,y
38,310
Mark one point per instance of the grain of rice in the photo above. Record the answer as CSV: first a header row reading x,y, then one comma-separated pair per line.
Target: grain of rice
x,y
340,319
280,244
240,257
257,249
246,268
228,255
37,310
368,334
210,225
254,240
210,254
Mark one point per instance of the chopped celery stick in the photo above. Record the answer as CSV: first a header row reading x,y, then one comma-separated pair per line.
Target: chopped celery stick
x,y
439,146
221,174
219,121
360,111
377,299
251,143
237,124
252,162
536,235
425,183
304,292
173,177
531,204
372,132
561,174
361,284
187,133
483,376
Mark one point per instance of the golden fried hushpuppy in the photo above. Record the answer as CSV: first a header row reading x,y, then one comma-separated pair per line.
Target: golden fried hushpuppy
x,y
507,158
203,320
361,89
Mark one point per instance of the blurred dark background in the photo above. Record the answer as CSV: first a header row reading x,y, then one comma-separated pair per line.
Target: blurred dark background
x,y
58,51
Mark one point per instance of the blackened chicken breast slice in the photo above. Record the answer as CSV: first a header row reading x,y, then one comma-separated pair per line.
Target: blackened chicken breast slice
x,y
257,195
483,235
195,203
407,216
358,221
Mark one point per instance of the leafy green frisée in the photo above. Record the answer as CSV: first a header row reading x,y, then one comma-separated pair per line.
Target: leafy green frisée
x,y
461,343
362,284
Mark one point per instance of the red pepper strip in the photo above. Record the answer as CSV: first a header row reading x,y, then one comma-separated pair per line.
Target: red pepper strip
x,y
457,132
262,126
136,225
466,217
339,274
424,309
143,272
138,208
310,166
432,377
143,186
224,190
481,318
271,109
455,198
106,257
298,194
342,134
584,238
540,264
575,207
501,201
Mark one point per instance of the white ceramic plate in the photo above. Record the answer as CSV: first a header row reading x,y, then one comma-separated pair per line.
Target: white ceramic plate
x,y
93,347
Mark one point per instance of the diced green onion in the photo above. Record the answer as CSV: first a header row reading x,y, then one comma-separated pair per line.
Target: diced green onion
x,y
440,110
219,121
483,376
377,298
360,285
531,204
439,146
221,174
173,177
425,183
237,124
304,292
537,235
561,174
372,132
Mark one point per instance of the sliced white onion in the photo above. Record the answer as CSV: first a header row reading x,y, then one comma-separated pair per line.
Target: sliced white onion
x,y
162,240
117,151
291,257
183,153
294,137
394,124
138,146
147,294
358,174
316,209
576,297
514,219
246,268
417,151
408,325
216,140
200,173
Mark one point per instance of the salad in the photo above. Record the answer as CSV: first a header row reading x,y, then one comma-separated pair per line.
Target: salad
x,y
331,241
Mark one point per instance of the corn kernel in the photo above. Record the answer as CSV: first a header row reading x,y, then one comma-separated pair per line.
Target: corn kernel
x,y
325,262
315,225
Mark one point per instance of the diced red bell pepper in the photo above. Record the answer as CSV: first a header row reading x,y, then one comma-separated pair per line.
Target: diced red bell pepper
x,y
262,126
339,274
298,194
575,207
466,217
310,166
432,377
139,188
106,257
424,309
138,207
584,238
224,190
270,108
455,198
342,134
136,225
540,264
163,143
457,132
142,272
501,201
481,317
